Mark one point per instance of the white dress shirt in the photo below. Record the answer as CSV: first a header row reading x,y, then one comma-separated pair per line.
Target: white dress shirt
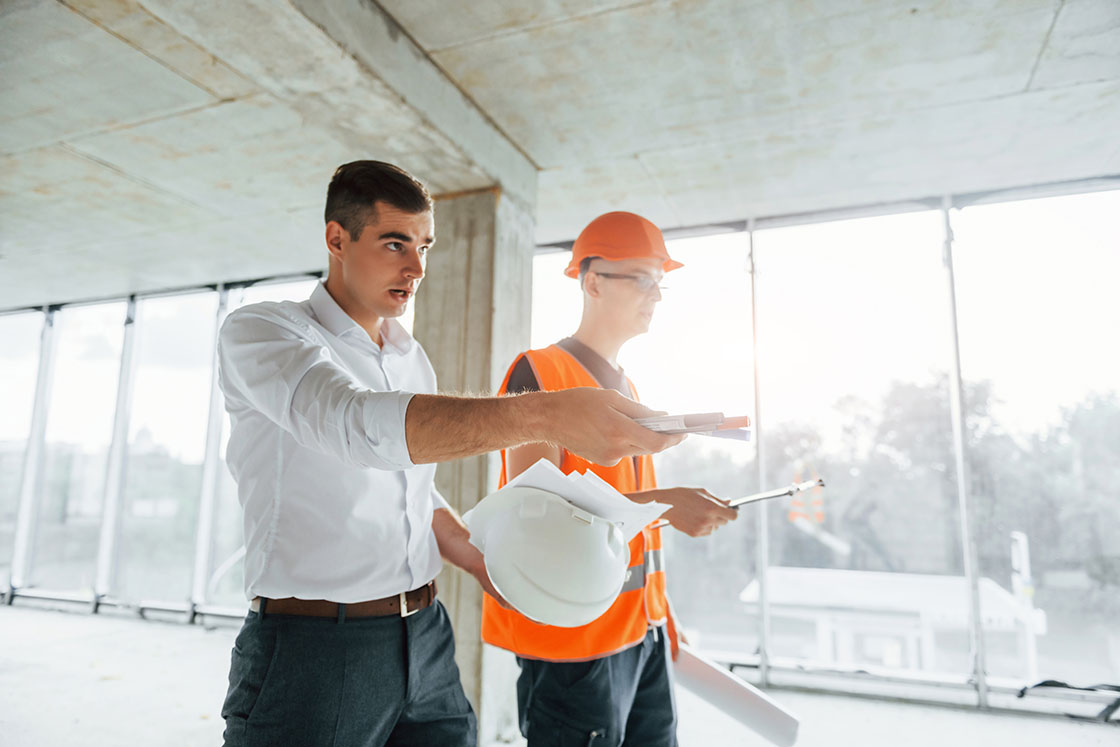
x,y
334,507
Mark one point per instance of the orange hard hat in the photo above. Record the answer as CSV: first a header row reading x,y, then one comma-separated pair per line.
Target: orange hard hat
x,y
619,235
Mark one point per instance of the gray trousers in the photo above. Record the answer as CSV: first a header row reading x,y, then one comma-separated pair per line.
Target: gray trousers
x,y
365,682
622,699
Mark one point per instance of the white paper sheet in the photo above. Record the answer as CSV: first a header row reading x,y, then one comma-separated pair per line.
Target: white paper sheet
x,y
742,701
587,491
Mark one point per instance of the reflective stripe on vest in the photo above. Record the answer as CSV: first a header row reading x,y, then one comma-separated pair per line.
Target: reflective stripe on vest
x,y
642,599
636,574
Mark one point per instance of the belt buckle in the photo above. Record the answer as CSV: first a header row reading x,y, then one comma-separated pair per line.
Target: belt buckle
x,y
405,611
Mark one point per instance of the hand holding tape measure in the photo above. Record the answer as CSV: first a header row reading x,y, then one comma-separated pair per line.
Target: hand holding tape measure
x,y
791,489
716,424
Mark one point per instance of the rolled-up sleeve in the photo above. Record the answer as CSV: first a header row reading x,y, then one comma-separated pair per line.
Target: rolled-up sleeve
x,y
273,366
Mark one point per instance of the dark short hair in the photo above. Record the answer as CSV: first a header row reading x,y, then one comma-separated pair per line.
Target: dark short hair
x,y
584,266
357,185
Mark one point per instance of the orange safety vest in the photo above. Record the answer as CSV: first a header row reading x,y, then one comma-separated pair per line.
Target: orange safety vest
x,y
642,601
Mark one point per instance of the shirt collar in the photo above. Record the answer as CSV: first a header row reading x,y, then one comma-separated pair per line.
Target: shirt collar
x,y
396,337
340,324
330,314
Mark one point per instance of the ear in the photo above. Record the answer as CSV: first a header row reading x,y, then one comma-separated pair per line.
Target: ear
x,y
337,239
591,285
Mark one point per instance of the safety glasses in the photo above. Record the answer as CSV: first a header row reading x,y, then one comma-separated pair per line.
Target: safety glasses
x,y
645,283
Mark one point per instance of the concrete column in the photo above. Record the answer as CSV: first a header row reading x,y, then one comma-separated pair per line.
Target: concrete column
x,y
472,317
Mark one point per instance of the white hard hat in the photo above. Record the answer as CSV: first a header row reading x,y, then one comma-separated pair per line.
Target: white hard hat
x,y
555,563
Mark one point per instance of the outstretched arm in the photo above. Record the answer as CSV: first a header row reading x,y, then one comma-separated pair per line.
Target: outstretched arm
x,y
269,364
597,424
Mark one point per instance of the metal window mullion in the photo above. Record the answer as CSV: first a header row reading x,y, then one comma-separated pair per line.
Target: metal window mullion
x,y
113,493
762,546
204,533
32,475
957,410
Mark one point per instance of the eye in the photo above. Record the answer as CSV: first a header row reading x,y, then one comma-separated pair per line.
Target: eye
x,y
395,246
423,251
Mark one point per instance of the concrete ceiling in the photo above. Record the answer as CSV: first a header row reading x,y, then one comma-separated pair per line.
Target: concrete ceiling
x,y
161,144
147,144
696,112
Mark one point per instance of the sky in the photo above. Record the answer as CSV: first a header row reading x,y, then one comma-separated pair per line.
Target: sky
x,y
844,308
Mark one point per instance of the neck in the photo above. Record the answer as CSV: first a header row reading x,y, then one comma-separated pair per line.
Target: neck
x,y
601,339
371,323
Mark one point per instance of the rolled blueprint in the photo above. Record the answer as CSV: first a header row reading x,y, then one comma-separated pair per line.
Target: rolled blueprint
x,y
742,701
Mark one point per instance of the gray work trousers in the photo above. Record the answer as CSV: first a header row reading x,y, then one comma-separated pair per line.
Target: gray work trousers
x,y
625,699
365,682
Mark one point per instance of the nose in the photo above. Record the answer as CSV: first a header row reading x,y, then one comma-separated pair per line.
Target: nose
x,y
655,291
414,267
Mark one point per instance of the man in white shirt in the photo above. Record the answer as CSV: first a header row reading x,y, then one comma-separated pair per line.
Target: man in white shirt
x,y
336,429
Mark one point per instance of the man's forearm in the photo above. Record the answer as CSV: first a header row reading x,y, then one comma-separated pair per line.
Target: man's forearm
x,y
596,424
440,428
647,496
695,511
453,539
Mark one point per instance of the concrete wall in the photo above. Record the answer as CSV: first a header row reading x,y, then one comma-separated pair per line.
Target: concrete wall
x,y
472,316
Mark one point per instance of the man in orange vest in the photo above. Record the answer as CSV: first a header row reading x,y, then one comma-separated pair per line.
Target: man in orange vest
x,y
607,682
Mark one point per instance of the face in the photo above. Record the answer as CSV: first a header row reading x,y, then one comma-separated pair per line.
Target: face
x,y
382,269
621,300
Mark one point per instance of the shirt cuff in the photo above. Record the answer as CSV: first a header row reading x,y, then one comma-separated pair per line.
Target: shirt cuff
x,y
384,414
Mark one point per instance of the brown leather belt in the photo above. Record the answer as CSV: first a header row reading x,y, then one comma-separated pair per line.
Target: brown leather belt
x,y
403,604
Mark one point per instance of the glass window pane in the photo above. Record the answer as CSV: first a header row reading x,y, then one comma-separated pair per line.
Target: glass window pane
x,y
19,366
853,354
557,300
1039,318
695,358
225,585
167,437
79,429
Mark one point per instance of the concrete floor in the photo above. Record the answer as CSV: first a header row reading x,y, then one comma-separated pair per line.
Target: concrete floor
x,y
71,678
